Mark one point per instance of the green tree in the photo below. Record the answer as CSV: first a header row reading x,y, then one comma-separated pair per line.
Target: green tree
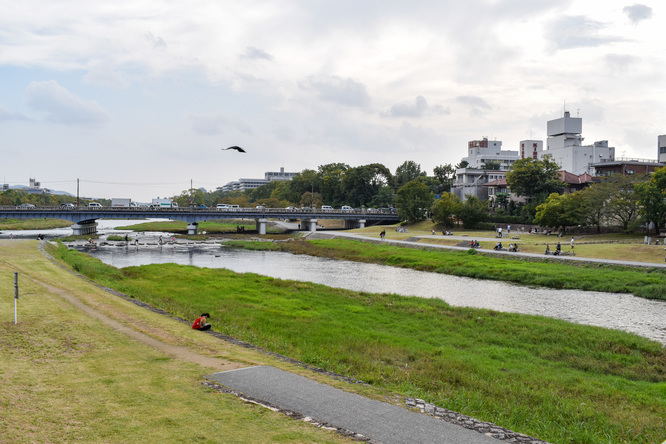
x,y
413,200
406,173
492,165
445,174
560,210
309,199
534,177
444,209
473,211
358,186
502,200
301,183
331,187
384,198
263,192
595,204
652,199
623,203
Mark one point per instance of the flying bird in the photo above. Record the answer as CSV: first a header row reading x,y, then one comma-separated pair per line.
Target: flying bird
x,y
237,148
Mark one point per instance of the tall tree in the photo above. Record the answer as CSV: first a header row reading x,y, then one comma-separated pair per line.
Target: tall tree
x,y
444,209
407,172
652,199
472,212
413,201
330,178
445,175
560,210
533,177
303,182
357,184
595,204
623,203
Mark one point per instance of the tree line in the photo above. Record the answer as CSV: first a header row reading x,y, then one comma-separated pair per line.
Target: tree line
x,y
626,202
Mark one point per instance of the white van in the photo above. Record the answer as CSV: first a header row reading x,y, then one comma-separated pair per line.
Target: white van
x,y
94,205
222,206
326,208
234,207
346,208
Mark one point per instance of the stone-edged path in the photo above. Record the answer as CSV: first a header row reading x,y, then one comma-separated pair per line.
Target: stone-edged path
x,y
374,421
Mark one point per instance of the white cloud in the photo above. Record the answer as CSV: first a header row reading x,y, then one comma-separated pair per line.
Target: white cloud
x,y
419,108
577,32
61,106
335,89
637,12
218,123
252,53
7,115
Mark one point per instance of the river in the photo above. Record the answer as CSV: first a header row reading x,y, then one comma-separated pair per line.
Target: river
x,y
618,311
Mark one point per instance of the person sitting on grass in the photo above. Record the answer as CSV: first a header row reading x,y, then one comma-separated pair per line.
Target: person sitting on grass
x,y
200,323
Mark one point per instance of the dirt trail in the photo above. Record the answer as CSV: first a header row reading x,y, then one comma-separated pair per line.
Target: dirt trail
x,y
175,351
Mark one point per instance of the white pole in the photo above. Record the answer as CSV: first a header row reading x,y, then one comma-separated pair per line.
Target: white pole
x,y
16,293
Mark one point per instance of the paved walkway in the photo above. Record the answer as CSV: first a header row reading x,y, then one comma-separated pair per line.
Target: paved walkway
x,y
381,422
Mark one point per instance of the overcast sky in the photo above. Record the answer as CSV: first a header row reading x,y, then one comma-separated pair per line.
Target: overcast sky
x,y
137,98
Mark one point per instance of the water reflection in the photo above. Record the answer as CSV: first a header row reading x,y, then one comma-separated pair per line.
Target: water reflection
x,y
619,311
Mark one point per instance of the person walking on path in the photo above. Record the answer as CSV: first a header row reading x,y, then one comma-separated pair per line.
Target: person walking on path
x,y
572,242
200,323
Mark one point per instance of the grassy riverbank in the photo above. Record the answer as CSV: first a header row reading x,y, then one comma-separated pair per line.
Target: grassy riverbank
x,y
32,224
547,378
221,226
648,283
69,377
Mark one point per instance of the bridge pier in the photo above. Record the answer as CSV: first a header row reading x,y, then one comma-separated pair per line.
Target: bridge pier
x,y
261,225
349,224
192,228
83,228
311,224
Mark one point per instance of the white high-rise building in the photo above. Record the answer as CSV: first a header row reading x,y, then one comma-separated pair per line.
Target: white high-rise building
x,y
565,146
662,149
484,151
486,162
531,148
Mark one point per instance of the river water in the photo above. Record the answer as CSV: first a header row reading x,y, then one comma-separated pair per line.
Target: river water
x,y
618,311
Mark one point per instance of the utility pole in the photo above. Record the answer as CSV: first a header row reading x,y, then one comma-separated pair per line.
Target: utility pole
x,y
77,191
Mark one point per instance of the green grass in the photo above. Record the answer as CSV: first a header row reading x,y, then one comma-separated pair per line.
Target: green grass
x,y
547,378
67,377
221,226
32,224
252,245
643,282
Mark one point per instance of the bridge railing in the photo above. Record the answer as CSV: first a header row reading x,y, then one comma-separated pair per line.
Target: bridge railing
x,y
295,211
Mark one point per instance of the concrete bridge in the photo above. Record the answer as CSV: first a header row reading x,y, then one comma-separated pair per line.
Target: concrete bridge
x,y
84,218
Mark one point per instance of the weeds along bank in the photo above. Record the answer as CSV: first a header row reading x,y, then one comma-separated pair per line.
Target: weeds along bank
x,y
546,378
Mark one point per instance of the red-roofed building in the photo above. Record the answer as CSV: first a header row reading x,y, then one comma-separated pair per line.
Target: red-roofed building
x,y
574,182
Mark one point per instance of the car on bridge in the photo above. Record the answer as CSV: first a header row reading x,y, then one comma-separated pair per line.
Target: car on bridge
x,y
26,205
95,205
67,206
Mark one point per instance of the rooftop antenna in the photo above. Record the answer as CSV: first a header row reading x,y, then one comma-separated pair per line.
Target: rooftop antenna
x,y
577,112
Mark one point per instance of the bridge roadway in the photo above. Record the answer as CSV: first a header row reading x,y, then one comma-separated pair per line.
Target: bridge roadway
x,y
84,218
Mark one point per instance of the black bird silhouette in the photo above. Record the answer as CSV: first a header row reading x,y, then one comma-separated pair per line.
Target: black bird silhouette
x,y
237,148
